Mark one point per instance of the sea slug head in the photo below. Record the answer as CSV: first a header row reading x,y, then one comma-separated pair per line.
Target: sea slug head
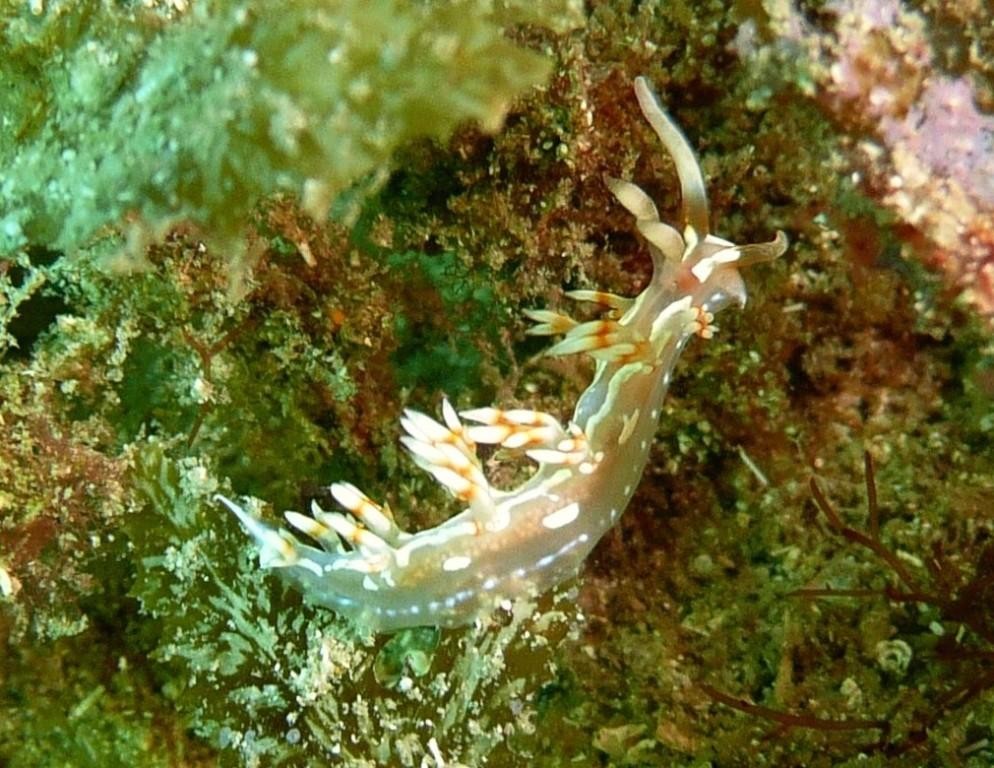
x,y
689,263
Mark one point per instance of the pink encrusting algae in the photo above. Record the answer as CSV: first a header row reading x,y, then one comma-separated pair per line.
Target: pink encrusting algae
x,y
929,148
526,540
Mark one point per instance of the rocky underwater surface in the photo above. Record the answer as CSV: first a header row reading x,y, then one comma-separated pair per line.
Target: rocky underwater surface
x,y
237,239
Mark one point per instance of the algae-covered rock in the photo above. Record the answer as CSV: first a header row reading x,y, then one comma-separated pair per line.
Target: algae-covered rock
x,y
195,111
726,620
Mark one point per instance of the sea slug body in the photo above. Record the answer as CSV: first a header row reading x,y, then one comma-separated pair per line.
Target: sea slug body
x,y
507,543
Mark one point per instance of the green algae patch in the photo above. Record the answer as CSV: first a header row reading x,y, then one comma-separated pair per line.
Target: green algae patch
x,y
161,116
214,617
266,678
87,714
439,339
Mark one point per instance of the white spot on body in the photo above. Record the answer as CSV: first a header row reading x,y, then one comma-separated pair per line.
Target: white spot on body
x,y
456,563
310,565
562,517
630,420
499,521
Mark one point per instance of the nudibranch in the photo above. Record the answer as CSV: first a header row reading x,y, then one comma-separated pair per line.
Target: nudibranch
x,y
506,543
